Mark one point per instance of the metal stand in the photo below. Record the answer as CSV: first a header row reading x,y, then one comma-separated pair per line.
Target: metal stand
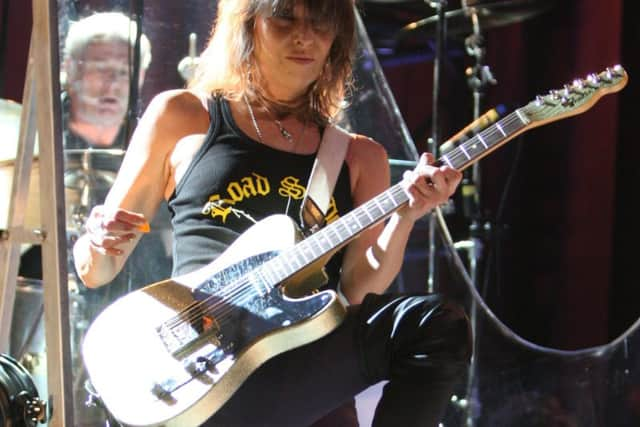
x,y
478,77
41,89
441,40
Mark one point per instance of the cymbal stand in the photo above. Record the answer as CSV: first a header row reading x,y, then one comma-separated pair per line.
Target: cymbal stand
x,y
479,77
41,90
434,141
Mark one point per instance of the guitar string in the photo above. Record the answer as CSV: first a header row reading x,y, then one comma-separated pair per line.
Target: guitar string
x,y
459,153
198,309
240,290
237,291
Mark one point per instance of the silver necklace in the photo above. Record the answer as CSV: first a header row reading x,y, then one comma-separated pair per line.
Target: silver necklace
x,y
253,119
284,132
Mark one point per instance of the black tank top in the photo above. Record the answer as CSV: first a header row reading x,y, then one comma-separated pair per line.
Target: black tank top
x,y
234,181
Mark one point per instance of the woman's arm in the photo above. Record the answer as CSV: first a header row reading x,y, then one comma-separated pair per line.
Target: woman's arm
x,y
373,260
146,176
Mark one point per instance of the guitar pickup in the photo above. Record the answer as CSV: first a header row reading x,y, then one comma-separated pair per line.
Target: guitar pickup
x,y
199,365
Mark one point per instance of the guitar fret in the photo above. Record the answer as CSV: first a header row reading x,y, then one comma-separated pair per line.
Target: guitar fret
x,y
446,159
307,247
335,239
386,201
500,129
267,269
402,195
302,252
294,261
259,283
342,232
375,204
365,209
481,139
464,151
285,266
323,240
364,218
354,224
472,149
315,246
522,118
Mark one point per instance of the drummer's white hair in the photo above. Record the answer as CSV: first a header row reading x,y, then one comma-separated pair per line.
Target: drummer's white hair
x,y
104,26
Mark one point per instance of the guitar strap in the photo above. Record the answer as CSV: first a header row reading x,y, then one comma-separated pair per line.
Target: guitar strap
x,y
323,177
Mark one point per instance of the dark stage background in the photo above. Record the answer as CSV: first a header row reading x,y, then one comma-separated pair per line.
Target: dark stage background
x,y
562,264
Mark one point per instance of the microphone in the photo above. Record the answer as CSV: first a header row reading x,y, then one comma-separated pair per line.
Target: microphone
x,y
473,128
187,65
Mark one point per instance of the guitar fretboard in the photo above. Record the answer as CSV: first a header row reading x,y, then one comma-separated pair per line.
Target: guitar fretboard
x,y
485,141
377,209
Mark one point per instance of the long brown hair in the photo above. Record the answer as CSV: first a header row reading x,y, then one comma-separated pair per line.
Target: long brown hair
x,y
227,63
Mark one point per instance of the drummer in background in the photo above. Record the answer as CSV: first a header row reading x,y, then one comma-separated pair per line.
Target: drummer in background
x,y
96,73
95,79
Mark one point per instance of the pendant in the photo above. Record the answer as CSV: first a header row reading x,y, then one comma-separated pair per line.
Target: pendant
x,y
285,133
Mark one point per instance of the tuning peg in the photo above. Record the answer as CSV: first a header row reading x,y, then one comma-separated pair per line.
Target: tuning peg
x,y
567,91
567,101
618,70
554,94
593,80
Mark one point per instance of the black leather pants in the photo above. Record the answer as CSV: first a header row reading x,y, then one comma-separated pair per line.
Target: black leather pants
x,y
419,343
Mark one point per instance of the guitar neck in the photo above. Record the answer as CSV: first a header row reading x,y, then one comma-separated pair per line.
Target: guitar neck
x,y
380,207
485,142
573,99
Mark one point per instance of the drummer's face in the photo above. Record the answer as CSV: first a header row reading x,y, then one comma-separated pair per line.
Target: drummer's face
x,y
99,87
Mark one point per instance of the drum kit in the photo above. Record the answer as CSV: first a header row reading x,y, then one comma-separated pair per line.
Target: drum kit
x,y
88,176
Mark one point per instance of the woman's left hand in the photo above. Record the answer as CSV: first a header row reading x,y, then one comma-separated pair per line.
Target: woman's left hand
x,y
428,186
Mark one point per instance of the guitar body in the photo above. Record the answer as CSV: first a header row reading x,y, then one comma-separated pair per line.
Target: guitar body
x,y
172,353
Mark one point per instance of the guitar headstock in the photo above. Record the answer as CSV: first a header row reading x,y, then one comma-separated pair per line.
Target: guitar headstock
x,y
576,97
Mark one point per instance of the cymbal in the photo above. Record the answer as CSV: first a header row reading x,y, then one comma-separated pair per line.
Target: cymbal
x,y
10,130
491,14
89,175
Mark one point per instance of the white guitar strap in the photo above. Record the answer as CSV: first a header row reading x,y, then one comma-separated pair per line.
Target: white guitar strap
x,y
323,177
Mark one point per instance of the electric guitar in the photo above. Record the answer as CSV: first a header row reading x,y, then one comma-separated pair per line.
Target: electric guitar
x,y
173,352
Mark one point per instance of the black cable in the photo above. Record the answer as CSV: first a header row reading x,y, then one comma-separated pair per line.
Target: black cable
x,y
495,250
136,10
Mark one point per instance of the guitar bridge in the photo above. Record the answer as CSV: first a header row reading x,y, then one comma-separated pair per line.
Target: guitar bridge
x,y
210,359
182,338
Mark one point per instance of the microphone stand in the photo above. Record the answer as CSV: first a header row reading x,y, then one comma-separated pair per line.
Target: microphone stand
x,y
433,142
478,78
134,83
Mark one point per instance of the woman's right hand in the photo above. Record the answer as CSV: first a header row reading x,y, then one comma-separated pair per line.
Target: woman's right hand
x,y
108,230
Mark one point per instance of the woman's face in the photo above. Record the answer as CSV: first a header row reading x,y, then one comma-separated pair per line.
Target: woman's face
x,y
291,49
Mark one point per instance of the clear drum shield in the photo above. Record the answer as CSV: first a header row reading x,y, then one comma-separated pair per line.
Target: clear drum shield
x,y
512,382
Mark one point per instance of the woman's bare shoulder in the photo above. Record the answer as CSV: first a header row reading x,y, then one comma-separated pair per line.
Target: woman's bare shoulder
x,y
171,116
365,151
368,167
179,104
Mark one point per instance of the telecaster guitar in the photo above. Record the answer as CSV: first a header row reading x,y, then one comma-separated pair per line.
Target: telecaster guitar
x,y
174,352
